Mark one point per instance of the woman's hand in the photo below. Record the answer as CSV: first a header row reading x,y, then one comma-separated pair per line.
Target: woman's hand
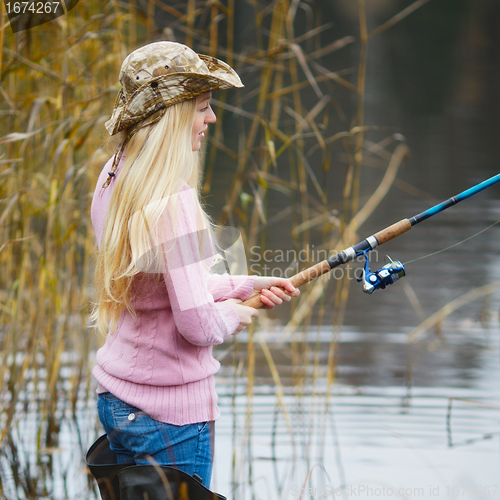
x,y
270,294
245,313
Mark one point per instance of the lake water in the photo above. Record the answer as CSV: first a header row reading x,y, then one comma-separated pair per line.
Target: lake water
x,y
401,421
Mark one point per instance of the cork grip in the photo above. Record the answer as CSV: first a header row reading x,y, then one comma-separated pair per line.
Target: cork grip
x,y
392,231
298,280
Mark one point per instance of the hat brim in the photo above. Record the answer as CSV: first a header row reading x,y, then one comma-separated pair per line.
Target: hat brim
x,y
167,90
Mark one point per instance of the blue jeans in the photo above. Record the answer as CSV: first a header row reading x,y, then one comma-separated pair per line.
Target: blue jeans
x,y
136,438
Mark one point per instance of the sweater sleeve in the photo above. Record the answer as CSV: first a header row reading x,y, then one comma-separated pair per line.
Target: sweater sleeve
x,y
186,252
226,286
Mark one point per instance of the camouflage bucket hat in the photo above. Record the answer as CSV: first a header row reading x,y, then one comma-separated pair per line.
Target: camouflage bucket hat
x,y
160,74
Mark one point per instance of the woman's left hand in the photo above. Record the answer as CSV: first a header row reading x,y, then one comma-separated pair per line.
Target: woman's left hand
x,y
270,294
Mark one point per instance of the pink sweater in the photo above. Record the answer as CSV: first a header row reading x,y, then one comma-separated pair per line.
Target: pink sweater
x,y
162,362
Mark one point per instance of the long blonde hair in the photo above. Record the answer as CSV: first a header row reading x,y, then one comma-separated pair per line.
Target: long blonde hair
x,y
158,161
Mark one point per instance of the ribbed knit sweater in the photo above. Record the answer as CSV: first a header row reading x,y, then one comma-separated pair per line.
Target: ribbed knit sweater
x,y
161,361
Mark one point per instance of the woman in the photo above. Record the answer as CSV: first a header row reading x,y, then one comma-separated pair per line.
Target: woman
x,y
158,305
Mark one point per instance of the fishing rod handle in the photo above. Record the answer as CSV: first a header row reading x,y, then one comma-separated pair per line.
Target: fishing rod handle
x,y
392,231
297,280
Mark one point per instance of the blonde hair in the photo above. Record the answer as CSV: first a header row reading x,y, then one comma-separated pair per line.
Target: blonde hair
x,y
158,161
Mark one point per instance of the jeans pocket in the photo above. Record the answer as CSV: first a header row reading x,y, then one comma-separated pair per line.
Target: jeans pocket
x,y
202,426
133,421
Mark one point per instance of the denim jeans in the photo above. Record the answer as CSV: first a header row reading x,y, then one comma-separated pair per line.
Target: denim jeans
x,y
136,438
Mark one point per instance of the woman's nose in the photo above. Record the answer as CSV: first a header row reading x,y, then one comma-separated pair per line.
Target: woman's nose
x,y
210,118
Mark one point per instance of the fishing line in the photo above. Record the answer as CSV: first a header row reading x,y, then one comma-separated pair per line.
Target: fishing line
x,y
454,245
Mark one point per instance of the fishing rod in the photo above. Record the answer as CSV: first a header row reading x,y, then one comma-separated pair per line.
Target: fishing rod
x,y
392,271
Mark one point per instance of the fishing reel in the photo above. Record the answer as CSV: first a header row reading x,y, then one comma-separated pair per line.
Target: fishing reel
x,y
388,275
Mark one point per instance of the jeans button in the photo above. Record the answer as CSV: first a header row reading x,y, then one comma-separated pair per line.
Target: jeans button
x,y
131,417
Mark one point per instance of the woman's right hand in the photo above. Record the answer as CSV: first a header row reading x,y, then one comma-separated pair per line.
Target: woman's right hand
x,y
245,313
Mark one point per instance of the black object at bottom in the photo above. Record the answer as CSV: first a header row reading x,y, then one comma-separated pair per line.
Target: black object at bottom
x,y
137,482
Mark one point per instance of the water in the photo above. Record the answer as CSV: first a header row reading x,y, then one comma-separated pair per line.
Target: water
x,y
418,422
